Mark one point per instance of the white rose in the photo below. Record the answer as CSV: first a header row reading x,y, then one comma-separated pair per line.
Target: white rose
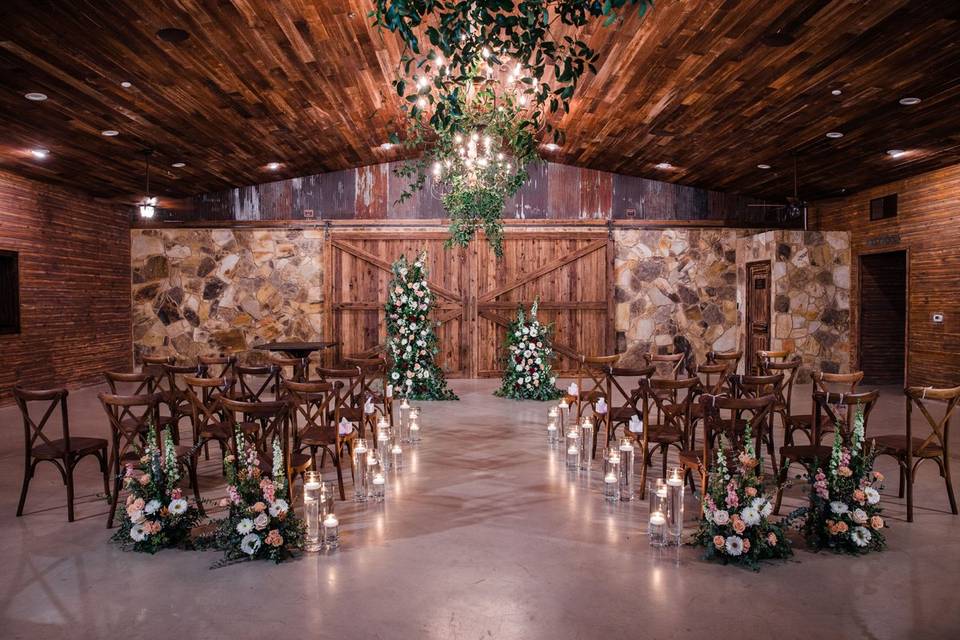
x,y
262,521
721,517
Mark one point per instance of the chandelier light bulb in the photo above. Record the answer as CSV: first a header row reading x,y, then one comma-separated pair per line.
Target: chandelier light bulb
x,y
422,103
422,82
485,52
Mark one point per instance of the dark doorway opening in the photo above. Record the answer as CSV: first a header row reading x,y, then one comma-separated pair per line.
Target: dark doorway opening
x,y
758,312
883,317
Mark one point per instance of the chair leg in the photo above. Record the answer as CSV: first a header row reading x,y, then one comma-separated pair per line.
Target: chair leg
x,y
27,475
903,476
336,462
105,470
663,458
68,464
192,470
781,480
907,473
643,473
114,498
946,478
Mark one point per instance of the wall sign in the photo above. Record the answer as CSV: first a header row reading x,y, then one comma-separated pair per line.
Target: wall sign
x,y
891,239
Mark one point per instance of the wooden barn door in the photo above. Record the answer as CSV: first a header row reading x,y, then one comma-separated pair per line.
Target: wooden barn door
x,y
758,312
358,272
570,272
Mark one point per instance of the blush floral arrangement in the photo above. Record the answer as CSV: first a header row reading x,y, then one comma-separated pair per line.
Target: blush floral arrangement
x,y
735,526
260,524
844,513
411,339
527,372
156,514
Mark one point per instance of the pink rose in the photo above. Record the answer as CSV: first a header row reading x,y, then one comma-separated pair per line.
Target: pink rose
x,y
274,539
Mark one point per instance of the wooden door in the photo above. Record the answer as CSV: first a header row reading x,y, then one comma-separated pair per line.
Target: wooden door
x,y
883,317
570,272
358,272
758,312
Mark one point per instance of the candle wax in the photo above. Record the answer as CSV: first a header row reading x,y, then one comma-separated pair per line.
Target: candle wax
x,y
330,521
610,478
378,479
657,518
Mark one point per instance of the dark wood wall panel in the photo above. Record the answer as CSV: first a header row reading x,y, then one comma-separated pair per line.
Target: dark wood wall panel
x,y
74,285
552,192
926,226
883,316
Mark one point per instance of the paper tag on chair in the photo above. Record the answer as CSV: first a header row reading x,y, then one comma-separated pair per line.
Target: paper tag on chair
x,y
573,390
389,390
368,407
636,424
346,427
601,406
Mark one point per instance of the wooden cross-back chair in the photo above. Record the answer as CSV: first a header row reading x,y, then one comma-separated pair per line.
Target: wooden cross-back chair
x,y
208,420
139,383
713,380
667,365
155,363
349,401
593,383
626,397
730,358
910,450
720,429
299,368
175,393
315,424
130,418
373,386
788,368
273,419
768,355
669,425
64,452
756,386
216,366
826,382
253,383
826,407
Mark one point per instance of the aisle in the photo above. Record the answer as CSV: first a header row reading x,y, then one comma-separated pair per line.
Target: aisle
x,y
484,535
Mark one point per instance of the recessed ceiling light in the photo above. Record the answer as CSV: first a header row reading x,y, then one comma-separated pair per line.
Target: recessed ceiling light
x,y
664,165
836,92
834,134
895,153
110,133
39,154
36,96
909,101
172,34
273,166
126,85
179,165
763,166
551,146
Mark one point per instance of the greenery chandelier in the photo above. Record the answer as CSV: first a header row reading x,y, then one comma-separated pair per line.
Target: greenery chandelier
x,y
479,96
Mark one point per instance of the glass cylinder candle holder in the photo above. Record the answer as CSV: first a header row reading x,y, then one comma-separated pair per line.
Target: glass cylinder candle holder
x,y
611,475
378,482
360,466
658,529
675,490
311,511
552,430
331,532
626,469
657,495
586,442
404,421
573,450
414,428
396,456
564,410
384,439
382,424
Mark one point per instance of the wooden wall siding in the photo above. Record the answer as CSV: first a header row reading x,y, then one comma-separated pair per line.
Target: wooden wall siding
x,y
926,225
552,192
74,286
883,317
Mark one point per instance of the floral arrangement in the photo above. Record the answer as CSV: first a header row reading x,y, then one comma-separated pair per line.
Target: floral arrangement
x,y
411,340
844,513
156,515
735,526
527,373
260,524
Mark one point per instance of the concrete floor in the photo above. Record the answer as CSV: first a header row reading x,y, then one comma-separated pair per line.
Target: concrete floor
x,y
484,535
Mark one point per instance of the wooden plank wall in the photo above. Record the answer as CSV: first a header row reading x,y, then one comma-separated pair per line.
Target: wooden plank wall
x,y
74,286
552,192
927,225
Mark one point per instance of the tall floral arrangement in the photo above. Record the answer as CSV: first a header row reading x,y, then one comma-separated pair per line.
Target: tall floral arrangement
x,y
844,513
156,515
411,339
260,524
735,525
527,372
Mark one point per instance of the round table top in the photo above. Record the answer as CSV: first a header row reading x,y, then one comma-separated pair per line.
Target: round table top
x,y
296,346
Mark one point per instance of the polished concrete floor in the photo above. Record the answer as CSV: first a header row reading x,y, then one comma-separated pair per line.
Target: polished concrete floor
x,y
484,535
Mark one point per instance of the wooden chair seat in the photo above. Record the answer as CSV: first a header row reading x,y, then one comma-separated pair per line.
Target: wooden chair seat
x,y
317,437
56,449
663,435
806,452
897,445
215,431
622,414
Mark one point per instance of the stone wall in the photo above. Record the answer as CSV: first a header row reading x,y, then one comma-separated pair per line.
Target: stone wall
x,y
198,291
675,282
810,313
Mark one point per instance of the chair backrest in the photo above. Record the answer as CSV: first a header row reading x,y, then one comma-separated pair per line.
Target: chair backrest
x,y
837,382
132,384
296,366
45,401
672,400
939,428
273,419
217,366
713,376
593,381
730,426
373,372
314,405
668,365
205,395
176,374
744,386
625,381
129,417
826,405
764,355
788,369
351,377
254,383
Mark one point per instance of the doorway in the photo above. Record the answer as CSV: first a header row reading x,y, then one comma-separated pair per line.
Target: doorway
x,y
758,312
883,317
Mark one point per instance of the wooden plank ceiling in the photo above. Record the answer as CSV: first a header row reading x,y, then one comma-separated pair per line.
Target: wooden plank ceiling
x,y
305,83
